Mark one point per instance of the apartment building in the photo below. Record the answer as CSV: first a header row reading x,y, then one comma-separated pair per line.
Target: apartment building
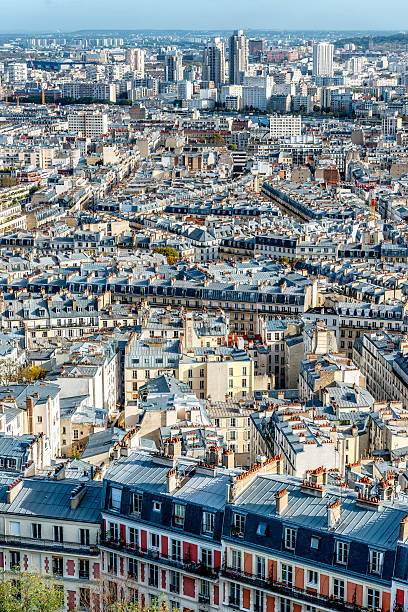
x,y
197,535
382,358
52,526
88,125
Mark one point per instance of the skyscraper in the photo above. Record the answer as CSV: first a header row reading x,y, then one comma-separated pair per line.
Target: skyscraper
x,y
238,56
214,62
323,59
136,60
173,66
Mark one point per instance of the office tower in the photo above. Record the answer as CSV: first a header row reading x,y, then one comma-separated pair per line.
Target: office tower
x,y
238,57
136,60
214,62
173,66
256,47
323,59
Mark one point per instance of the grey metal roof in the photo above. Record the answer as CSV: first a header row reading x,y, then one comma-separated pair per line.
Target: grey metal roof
x,y
378,529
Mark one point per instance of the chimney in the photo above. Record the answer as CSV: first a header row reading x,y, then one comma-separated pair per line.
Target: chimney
x,y
77,495
172,480
124,450
59,472
173,447
14,489
228,459
403,529
282,498
30,414
333,513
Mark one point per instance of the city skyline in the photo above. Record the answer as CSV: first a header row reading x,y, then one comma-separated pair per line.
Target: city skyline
x,y
59,15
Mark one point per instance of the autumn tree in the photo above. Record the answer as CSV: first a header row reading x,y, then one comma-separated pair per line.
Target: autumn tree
x,y
22,591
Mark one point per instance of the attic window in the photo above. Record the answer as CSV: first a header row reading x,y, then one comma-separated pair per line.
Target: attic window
x,y
157,506
262,529
315,542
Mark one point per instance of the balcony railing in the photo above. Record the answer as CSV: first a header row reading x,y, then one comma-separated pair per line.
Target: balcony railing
x,y
39,543
150,555
293,593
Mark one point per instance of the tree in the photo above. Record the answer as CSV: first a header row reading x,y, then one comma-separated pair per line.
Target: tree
x,y
22,591
32,372
171,254
10,370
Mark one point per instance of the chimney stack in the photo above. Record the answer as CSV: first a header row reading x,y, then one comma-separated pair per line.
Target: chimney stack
x,y
14,489
282,498
333,513
228,459
172,480
30,414
403,529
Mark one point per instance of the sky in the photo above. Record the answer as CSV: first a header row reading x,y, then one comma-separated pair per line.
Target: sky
x,y
71,15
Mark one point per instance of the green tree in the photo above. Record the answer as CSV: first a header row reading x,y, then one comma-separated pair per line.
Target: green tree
x,y
22,591
171,254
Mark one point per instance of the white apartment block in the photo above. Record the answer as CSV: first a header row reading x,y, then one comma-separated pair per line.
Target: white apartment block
x,y
88,125
283,126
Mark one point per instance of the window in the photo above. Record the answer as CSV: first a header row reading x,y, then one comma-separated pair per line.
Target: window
x,y
57,566
290,538
115,499
76,434
208,522
285,605
238,526
136,504
338,588
260,567
174,606
113,563
133,596
204,593
376,561
84,537
179,511
155,541
261,529
287,574
153,575
373,599
58,533
36,530
236,559
259,603
14,558
315,542
174,582
176,550
342,549
132,567
235,594
206,557
14,528
113,531
84,598
133,537
84,569
312,577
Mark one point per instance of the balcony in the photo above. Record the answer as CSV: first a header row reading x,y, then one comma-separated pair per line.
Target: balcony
x,y
204,599
38,543
293,593
199,569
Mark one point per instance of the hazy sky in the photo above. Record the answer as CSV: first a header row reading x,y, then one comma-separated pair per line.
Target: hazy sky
x,y
68,15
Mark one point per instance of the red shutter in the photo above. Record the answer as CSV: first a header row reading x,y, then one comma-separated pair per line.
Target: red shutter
x,y
165,545
217,559
194,553
122,532
216,595
143,539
